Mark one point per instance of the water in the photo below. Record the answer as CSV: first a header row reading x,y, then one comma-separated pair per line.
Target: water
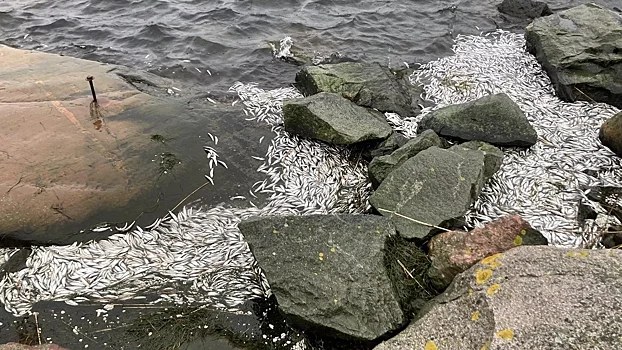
x,y
183,38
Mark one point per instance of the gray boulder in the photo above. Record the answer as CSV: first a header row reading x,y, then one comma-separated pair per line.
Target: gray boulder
x,y
366,84
381,166
531,297
581,50
331,118
327,272
493,157
435,187
525,9
495,119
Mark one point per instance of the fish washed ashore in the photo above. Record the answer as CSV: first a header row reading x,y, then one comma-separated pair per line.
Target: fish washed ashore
x,y
198,257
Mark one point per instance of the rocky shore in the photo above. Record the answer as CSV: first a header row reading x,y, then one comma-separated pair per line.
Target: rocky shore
x,y
503,287
408,273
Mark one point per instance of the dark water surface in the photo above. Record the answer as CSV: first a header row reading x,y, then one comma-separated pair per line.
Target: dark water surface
x,y
183,38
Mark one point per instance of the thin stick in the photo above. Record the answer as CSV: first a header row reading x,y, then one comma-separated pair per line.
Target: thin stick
x,y
18,181
584,94
405,269
414,220
188,196
411,276
37,325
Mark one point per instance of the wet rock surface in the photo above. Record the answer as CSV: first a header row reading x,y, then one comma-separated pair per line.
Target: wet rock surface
x,y
366,84
381,166
494,119
581,50
453,252
435,187
18,346
327,272
611,134
68,164
331,118
524,9
531,297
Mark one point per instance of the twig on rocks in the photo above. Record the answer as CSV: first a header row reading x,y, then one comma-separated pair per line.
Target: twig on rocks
x,y
413,220
584,94
411,276
37,325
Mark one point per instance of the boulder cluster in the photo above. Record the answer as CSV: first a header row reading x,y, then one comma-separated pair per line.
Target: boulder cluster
x,y
407,276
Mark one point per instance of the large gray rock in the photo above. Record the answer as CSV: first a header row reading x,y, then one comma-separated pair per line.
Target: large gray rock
x,y
495,119
531,297
327,272
381,166
366,84
581,50
435,187
331,118
526,9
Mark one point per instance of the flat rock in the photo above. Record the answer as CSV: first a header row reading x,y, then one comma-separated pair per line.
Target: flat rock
x,y
381,166
331,118
581,50
531,297
524,9
68,165
611,134
455,251
435,187
327,272
495,119
366,84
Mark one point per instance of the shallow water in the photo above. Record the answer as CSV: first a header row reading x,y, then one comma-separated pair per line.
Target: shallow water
x,y
184,38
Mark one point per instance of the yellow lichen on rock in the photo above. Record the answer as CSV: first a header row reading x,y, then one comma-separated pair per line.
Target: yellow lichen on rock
x,y
430,345
518,240
575,254
475,316
506,334
486,346
481,276
470,292
523,232
493,289
492,261
321,256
